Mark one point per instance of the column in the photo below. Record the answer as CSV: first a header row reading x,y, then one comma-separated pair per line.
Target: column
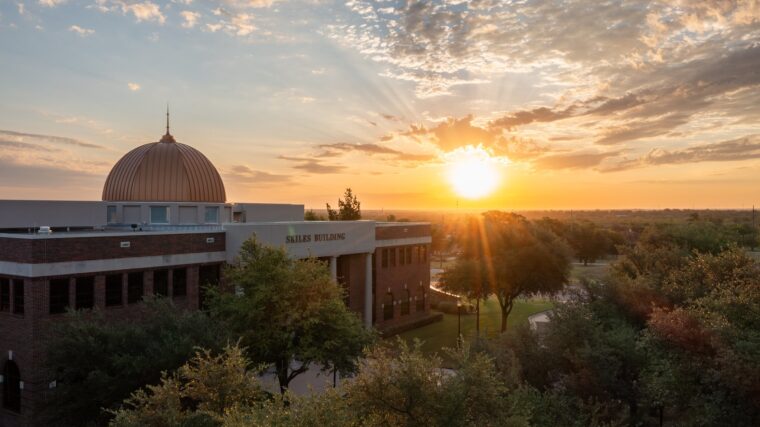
x,y
334,268
368,291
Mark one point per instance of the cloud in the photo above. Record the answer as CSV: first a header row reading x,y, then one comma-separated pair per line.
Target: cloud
x,y
190,17
372,150
83,32
238,23
582,160
14,175
134,87
739,149
50,3
21,137
245,174
141,10
312,165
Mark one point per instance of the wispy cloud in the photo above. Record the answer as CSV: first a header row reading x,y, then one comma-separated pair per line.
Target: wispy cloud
x,y
50,3
313,166
190,17
82,32
134,87
251,177
141,10
9,135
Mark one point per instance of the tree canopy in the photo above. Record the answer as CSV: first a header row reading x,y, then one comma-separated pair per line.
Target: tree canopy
x,y
349,208
507,256
289,313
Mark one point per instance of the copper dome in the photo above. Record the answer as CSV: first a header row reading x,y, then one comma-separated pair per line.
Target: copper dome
x,y
164,171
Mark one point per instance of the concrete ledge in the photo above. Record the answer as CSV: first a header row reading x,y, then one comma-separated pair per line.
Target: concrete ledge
x,y
413,324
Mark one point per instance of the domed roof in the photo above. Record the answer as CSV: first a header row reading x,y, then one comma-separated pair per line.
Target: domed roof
x,y
164,171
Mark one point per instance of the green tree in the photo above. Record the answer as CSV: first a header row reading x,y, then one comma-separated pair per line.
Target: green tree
x,y
289,313
98,363
310,215
199,393
349,208
515,258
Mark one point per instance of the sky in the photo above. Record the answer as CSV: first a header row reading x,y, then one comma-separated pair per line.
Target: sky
x,y
585,104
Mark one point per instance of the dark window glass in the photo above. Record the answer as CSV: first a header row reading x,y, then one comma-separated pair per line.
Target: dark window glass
x,y
114,289
11,387
208,276
85,292
421,299
405,303
161,282
59,295
401,258
423,255
134,287
5,294
18,296
179,282
408,254
385,258
388,306
393,256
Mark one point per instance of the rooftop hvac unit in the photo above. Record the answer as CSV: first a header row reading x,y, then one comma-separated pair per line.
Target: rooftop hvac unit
x,y
44,229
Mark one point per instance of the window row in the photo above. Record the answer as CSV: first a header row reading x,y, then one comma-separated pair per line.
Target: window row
x,y
389,302
162,215
12,295
84,289
390,257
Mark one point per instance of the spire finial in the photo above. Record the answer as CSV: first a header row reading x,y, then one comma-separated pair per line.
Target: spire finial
x,y
168,137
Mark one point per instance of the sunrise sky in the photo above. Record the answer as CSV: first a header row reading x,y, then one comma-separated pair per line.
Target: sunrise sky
x,y
576,104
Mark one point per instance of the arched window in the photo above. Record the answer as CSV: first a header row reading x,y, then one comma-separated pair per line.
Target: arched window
x,y
388,306
405,302
11,387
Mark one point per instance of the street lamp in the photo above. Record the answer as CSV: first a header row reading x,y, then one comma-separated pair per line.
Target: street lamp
x,y
459,322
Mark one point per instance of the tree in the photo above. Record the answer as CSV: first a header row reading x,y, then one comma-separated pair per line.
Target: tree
x,y
515,257
310,215
588,241
467,280
98,363
289,313
199,393
349,208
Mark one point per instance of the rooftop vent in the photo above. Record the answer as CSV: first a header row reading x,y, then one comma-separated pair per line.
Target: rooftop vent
x,y
45,229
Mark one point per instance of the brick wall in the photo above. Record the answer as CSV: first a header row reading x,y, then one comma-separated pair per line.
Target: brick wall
x,y
63,249
400,231
414,277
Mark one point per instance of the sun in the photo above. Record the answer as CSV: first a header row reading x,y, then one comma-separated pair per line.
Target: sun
x,y
472,172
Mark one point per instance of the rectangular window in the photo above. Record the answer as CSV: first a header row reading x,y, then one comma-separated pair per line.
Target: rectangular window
x,y
134,287
179,282
159,214
85,292
111,215
5,295
161,282
401,257
18,296
114,290
385,258
408,254
212,215
59,295
393,256
423,254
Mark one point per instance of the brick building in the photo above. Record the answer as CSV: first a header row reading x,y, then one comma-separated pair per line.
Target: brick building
x,y
164,227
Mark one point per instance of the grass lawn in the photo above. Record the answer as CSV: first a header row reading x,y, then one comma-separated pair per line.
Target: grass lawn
x,y
444,333
597,271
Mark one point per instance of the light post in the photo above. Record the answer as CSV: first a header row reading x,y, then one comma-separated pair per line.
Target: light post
x,y
459,323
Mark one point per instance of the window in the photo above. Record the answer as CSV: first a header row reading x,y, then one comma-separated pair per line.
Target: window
x,y
5,295
208,276
114,290
393,256
408,254
159,214
385,258
59,295
388,306
179,282
85,292
405,303
423,254
421,299
11,387
134,287
212,215
18,296
111,215
161,282
401,258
